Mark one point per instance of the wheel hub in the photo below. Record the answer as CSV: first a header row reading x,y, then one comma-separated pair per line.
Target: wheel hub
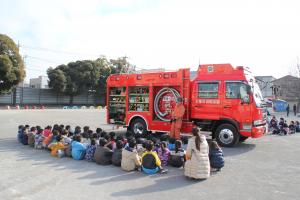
x,y
138,128
226,136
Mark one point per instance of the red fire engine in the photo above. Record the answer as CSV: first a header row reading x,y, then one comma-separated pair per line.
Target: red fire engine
x,y
221,99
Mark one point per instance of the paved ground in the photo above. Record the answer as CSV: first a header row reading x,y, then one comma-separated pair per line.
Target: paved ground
x,y
264,168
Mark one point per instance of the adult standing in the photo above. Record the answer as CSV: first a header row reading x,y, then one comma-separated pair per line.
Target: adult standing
x,y
295,109
176,119
197,165
287,110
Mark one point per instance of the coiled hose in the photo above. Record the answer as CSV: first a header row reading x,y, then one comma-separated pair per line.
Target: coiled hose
x,y
163,91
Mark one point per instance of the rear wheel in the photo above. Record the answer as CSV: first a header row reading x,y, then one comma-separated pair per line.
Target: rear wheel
x,y
227,135
139,128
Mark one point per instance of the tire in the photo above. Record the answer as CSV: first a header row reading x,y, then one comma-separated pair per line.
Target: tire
x,y
243,138
138,127
227,135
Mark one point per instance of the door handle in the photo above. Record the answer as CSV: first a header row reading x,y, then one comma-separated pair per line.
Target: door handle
x,y
227,106
198,106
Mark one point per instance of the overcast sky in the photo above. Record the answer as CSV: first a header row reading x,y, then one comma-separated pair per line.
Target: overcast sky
x,y
261,34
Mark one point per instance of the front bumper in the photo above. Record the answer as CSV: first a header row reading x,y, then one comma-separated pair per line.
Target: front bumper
x,y
258,131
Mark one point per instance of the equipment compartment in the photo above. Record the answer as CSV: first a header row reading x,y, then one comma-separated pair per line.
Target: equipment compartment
x,y
117,105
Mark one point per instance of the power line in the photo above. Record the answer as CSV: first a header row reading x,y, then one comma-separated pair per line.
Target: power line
x,y
55,51
32,69
56,63
42,59
60,52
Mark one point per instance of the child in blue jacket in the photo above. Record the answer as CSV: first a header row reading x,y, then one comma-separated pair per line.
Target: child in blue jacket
x,y
216,156
78,149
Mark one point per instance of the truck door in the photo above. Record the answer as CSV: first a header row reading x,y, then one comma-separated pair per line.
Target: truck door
x,y
236,104
206,102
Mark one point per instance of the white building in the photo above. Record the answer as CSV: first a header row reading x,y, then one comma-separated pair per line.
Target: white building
x,y
265,83
23,84
40,82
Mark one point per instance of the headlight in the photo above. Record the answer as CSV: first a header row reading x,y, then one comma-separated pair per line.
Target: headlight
x,y
258,122
247,126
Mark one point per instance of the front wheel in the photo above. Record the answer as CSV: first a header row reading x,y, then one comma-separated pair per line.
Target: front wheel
x,y
227,135
138,128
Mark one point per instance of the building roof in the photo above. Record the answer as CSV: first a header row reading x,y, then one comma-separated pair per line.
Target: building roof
x,y
287,77
264,77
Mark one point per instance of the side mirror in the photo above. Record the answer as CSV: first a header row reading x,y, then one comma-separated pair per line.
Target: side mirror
x,y
246,99
248,89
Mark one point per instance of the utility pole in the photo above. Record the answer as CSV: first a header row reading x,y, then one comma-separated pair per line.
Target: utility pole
x,y
24,56
126,65
24,60
298,67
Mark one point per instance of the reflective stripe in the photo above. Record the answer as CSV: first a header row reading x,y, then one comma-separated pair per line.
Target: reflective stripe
x,y
246,130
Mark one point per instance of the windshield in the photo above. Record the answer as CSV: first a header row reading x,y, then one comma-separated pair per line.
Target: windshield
x,y
257,95
258,98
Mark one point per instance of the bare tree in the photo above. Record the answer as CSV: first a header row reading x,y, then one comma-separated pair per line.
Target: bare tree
x,y
294,69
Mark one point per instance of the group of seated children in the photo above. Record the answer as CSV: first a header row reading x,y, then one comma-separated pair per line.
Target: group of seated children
x,y
148,155
282,128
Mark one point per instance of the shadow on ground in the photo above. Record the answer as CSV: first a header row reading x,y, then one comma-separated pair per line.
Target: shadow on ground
x,y
241,148
165,183
95,174
42,157
98,175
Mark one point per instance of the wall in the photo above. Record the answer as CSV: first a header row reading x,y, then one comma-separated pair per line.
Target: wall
x,y
289,88
34,96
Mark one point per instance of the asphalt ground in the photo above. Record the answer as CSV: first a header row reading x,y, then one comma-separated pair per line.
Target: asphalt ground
x,y
263,168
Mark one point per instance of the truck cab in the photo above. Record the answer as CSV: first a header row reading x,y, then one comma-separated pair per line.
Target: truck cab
x,y
227,102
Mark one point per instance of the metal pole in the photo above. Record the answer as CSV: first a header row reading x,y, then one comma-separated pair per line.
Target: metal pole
x,y
39,96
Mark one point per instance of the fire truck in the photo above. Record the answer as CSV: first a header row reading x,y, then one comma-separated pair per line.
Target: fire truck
x,y
222,100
